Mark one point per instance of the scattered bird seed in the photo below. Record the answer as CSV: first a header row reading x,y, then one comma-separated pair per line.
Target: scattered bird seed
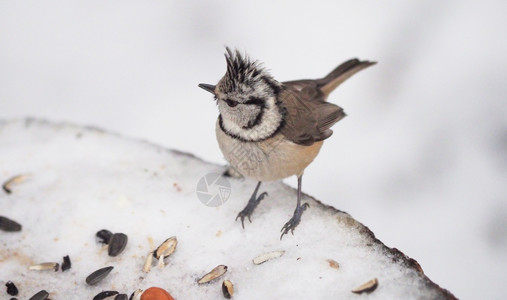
x,y
11,288
213,274
45,266
367,287
104,236
66,263
121,297
117,244
7,186
98,275
166,248
136,295
148,262
104,295
227,289
9,225
333,264
267,256
42,295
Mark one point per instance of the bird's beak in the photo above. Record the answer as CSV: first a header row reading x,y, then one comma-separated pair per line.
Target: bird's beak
x,y
208,87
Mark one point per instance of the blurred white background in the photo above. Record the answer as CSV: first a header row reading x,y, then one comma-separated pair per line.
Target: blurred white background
x,y
421,158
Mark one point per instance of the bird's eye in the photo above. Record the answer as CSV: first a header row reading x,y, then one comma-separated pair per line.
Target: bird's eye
x,y
231,103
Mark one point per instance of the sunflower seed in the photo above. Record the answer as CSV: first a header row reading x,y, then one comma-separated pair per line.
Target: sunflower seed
x,y
104,295
98,275
104,236
267,256
121,297
227,289
148,262
45,266
66,263
213,274
333,264
7,186
42,295
11,288
367,287
136,295
9,225
166,248
117,244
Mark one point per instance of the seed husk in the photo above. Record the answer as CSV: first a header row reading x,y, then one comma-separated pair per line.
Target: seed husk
x,y
166,248
104,236
267,256
213,274
136,295
7,186
121,297
11,288
9,225
117,244
227,289
98,275
333,264
66,263
42,295
104,295
45,266
148,262
366,287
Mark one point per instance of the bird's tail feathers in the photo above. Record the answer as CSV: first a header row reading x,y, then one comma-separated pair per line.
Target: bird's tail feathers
x,y
342,73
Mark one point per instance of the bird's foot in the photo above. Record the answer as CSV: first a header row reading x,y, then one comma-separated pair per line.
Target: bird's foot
x,y
250,207
294,221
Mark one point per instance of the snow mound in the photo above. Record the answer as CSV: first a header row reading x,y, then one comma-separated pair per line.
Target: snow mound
x,y
81,180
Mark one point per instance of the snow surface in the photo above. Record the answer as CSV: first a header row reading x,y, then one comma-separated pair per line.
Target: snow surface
x,y
421,157
84,179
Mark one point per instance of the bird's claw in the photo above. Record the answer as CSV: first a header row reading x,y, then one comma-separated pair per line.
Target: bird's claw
x,y
249,209
294,221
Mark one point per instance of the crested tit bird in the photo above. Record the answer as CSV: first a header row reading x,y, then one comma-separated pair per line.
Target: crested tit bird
x,y
270,130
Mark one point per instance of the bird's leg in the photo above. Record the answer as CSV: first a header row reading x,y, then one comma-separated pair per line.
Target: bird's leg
x,y
251,205
298,212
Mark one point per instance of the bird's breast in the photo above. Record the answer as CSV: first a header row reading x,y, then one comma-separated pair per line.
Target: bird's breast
x,y
272,159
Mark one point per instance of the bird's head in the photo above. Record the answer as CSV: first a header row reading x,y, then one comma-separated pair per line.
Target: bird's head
x,y
247,99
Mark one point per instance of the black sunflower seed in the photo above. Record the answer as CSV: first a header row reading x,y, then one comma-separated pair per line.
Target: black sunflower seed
x,y
104,295
117,244
9,225
42,295
11,288
66,263
98,275
121,297
103,236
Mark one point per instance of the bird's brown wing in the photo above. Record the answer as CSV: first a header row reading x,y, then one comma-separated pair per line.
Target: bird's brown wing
x,y
308,116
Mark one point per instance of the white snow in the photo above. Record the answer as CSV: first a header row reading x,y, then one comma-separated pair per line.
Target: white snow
x,y
83,180
420,158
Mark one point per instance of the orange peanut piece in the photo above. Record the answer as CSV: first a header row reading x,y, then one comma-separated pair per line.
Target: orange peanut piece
x,y
155,293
